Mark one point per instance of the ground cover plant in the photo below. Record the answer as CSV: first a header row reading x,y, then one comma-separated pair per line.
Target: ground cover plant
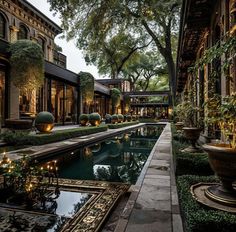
x,y
192,168
23,138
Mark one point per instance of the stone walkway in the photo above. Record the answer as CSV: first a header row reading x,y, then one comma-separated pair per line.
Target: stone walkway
x,y
153,205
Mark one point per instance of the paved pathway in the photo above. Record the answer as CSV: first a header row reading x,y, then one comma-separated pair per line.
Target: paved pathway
x,y
153,204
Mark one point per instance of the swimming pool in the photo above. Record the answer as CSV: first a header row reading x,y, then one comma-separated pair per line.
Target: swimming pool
x,y
119,159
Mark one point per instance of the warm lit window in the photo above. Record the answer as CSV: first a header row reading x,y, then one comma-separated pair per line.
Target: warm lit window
x,y
2,27
23,32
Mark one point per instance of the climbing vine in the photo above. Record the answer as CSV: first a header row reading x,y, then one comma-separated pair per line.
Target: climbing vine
x,y
27,65
115,97
87,86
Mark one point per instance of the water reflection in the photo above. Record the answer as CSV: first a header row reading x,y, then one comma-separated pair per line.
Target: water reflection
x,y
118,159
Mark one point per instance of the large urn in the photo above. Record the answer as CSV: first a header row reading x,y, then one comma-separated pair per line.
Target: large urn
x,y
222,160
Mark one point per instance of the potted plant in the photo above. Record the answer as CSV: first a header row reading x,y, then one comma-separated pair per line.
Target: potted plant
x,y
222,156
120,118
192,125
107,118
179,116
83,119
128,117
44,121
95,119
115,97
114,118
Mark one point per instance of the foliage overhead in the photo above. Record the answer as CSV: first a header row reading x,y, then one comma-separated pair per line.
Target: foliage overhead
x,y
141,70
93,23
27,65
86,86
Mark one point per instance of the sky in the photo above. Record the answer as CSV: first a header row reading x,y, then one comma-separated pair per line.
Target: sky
x,y
75,60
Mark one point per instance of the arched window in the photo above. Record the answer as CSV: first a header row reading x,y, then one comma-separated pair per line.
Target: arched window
x,y
2,27
23,32
41,42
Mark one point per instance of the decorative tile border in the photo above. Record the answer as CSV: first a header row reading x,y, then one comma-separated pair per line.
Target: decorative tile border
x,y
91,216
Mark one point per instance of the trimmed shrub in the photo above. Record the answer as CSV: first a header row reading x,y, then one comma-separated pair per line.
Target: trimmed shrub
x,y
83,119
107,118
20,138
114,118
94,119
128,118
134,118
120,118
44,117
120,125
198,218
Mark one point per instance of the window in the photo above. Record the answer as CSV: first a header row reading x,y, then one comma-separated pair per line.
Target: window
x,y
41,42
2,27
23,32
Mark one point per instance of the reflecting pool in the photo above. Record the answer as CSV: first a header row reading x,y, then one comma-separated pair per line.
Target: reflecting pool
x,y
119,159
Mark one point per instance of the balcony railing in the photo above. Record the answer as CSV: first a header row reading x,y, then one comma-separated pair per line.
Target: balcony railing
x,y
59,59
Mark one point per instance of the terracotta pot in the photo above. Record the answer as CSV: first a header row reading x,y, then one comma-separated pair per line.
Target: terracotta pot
x,y
44,127
222,160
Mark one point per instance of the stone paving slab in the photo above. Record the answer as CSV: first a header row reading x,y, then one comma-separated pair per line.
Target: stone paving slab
x,y
154,205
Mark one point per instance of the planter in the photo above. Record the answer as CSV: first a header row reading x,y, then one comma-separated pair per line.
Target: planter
x,y
95,122
222,160
83,122
179,126
18,124
192,134
44,127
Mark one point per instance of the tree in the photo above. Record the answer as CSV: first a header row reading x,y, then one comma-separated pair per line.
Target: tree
x,y
94,22
143,69
112,55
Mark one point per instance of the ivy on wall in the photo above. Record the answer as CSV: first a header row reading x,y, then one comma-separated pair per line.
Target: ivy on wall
x,y
87,86
27,65
115,96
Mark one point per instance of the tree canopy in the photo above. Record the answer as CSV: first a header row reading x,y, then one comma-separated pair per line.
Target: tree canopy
x,y
93,23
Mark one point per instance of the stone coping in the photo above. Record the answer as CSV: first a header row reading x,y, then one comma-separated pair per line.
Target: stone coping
x,y
153,204
43,151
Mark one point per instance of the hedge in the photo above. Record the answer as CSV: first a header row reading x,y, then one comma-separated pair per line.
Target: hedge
x,y
23,138
193,164
198,218
120,125
190,163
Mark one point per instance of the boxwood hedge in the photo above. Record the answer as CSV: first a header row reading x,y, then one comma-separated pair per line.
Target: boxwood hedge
x,y
198,218
23,138
120,125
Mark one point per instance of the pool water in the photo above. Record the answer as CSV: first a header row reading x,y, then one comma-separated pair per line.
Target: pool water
x,y
119,159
